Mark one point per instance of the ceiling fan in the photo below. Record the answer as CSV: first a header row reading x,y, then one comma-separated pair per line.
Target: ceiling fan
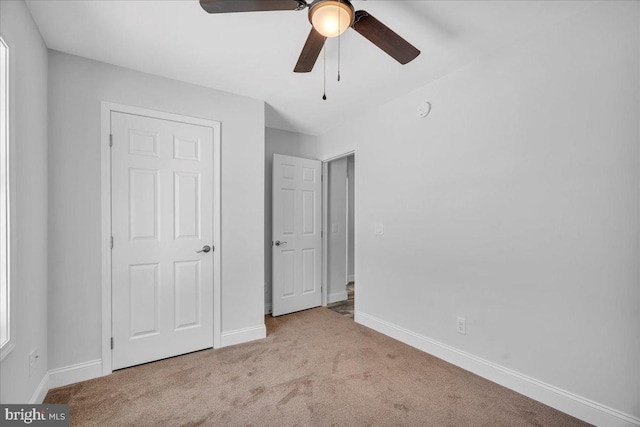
x,y
329,18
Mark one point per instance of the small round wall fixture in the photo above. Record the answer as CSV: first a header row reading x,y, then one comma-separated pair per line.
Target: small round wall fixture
x,y
424,109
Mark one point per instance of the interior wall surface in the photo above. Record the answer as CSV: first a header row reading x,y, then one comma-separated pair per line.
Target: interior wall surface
x,y
337,232
77,87
28,198
515,205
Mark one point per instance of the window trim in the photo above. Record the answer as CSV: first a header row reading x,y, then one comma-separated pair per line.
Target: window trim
x,y
5,244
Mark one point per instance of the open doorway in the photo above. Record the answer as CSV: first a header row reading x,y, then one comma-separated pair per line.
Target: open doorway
x,y
303,238
340,221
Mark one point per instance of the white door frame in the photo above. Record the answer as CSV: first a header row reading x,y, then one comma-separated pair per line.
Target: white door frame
x,y
325,221
105,154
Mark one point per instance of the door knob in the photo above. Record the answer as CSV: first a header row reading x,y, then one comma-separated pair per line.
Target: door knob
x,y
278,243
205,249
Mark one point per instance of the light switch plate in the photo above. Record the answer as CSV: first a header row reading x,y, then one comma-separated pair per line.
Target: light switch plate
x,y
378,228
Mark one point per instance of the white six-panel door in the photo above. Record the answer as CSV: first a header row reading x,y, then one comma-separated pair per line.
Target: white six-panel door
x,y
297,239
162,209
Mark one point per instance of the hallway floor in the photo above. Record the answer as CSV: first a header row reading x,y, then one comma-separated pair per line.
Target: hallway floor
x,y
345,307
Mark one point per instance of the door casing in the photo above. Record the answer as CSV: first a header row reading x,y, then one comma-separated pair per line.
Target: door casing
x,y
105,154
325,225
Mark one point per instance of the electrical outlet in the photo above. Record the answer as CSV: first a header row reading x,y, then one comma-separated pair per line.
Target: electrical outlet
x,y
461,325
34,356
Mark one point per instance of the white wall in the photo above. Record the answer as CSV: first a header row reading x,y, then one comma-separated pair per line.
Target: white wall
x,y
351,173
514,204
337,232
290,144
28,160
76,88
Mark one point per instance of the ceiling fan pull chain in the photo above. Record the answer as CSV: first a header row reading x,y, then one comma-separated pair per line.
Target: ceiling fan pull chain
x,y
339,38
324,71
339,58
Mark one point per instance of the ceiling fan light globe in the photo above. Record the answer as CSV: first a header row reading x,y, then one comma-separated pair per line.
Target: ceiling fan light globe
x,y
331,17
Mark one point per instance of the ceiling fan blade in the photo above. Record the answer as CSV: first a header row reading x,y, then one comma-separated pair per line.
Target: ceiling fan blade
x,y
384,37
310,51
227,6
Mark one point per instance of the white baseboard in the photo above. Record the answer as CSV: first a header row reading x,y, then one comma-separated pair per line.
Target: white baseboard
x,y
64,376
41,391
75,373
351,278
240,336
267,308
562,400
337,296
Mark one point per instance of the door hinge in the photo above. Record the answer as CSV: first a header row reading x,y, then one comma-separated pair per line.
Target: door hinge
x,y
111,242
111,343
110,140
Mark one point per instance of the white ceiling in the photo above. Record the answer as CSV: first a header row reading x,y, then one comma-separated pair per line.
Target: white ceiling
x,y
253,54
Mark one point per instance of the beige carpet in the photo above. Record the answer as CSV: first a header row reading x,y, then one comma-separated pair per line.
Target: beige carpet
x,y
315,368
